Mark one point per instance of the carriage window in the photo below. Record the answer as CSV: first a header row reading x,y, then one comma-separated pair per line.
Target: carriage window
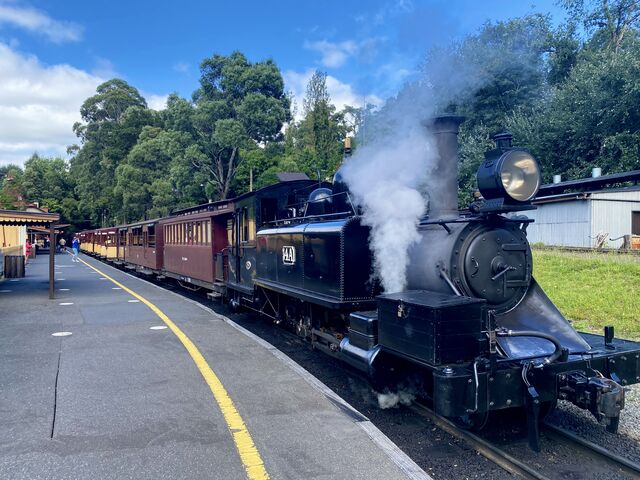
x,y
268,210
245,225
207,232
251,223
151,236
230,231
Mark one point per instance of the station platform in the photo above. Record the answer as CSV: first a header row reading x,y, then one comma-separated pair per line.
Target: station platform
x,y
118,378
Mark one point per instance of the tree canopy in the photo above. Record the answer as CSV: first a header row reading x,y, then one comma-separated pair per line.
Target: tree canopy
x,y
569,93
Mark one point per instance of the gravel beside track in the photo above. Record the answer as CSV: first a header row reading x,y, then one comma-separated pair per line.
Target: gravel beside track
x,y
625,443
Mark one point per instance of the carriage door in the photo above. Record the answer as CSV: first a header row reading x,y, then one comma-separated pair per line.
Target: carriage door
x,y
236,254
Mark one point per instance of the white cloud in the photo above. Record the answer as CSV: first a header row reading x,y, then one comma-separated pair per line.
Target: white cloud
x,y
181,67
104,68
391,9
156,102
334,55
38,105
341,93
37,21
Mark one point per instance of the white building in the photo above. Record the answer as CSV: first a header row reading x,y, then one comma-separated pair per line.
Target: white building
x,y
576,219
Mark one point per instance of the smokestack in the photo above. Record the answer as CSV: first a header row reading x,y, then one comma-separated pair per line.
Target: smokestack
x,y
445,128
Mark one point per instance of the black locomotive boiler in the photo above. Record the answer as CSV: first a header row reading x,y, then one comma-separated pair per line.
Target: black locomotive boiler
x,y
473,325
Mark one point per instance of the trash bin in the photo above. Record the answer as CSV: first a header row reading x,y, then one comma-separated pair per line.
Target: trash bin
x,y
14,266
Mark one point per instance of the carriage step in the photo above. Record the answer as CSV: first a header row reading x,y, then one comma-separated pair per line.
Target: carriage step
x,y
214,296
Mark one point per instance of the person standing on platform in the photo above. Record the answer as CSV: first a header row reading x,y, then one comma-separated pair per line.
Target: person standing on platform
x,y
27,250
75,245
62,243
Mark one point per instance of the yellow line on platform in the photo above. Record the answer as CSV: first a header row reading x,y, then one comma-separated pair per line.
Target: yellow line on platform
x,y
247,450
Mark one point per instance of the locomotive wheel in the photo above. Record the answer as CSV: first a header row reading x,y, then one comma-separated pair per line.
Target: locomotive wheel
x,y
471,421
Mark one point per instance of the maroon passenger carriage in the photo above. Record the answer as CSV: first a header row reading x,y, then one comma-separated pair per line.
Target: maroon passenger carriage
x,y
194,242
140,246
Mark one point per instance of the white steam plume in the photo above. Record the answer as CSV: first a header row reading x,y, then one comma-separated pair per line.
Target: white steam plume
x,y
386,180
390,172
392,400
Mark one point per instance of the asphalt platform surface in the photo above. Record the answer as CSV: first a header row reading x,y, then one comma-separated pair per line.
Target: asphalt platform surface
x,y
118,399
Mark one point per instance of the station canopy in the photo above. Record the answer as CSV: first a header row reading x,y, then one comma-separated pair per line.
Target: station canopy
x,y
30,219
35,219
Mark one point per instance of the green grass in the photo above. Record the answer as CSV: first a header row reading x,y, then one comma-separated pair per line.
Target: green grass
x,y
592,289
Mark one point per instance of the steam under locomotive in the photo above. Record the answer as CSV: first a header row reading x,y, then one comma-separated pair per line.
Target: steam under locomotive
x,y
473,331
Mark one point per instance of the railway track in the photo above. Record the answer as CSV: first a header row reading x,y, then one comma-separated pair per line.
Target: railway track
x,y
616,461
507,461
520,468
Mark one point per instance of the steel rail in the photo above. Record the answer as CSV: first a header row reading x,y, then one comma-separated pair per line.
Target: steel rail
x,y
483,447
626,465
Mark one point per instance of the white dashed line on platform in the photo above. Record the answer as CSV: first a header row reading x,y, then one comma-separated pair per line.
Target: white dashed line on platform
x,y
158,327
133,301
61,334
116,288
5,291
66,303
64,289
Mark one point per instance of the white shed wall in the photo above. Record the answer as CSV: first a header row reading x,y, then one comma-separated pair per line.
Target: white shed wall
x,y
611,217
562,223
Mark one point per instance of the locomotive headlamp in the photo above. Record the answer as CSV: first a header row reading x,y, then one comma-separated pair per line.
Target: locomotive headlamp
x,y
512,175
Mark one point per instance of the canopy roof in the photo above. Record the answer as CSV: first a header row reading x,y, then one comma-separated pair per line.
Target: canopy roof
x,y
15,217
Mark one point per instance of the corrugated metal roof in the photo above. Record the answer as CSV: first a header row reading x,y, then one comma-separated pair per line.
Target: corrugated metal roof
x,y
291,176
590,183
15,217
564,197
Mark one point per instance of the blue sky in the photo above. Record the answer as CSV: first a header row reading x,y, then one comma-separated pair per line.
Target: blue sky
x,y
53,54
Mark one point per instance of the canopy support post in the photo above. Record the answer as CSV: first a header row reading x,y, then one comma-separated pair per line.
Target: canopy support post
x,y
52,259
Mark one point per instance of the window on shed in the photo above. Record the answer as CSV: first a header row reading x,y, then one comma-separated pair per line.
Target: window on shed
x,y
635,223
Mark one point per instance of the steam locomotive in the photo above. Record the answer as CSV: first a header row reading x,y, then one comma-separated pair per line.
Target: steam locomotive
x,y
473,330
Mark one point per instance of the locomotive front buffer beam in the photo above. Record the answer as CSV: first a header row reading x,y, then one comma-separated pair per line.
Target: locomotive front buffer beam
x,y
594,382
